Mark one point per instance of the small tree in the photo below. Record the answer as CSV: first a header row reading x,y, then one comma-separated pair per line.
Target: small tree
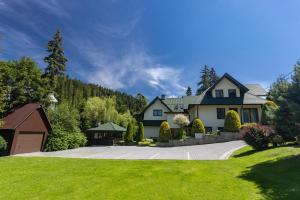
x,y
189,91
140,132
181,120
197,127
164,132
129,133
232,121
269,110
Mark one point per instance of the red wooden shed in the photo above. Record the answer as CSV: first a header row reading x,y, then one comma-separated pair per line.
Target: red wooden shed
x,y
25,129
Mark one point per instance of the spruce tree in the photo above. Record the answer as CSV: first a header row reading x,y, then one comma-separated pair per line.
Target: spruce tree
x,y
204,82
189,91
213,76
56,61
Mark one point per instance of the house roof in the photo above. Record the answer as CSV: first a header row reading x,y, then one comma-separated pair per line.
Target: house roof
x,y
153,101
256,89
109,126
17,116
233,80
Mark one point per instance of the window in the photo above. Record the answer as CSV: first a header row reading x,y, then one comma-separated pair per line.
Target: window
x,y
157,112
232,92
250,115
220,113
219,93
235,109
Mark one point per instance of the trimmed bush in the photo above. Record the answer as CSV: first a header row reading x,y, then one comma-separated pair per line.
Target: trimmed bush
x,y
269,110
232,121
145,142
3,143
129,134
258,136
197,127
164,132
140,132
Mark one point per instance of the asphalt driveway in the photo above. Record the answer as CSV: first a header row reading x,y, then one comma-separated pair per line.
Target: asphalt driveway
x,y
217,151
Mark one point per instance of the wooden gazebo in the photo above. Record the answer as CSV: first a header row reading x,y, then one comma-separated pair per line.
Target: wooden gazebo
x,y
105,134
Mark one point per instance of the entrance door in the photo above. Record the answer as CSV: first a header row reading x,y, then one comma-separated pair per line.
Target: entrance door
x,y
28,142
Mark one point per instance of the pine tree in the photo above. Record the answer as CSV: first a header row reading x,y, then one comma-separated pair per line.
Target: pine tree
x,y
204,82
56,61
189,91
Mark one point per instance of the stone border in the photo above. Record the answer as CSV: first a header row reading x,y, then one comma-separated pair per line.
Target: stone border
x,y
206,139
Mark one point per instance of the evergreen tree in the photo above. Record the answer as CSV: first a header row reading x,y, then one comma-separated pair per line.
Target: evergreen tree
x,y
56,61
205,81
213,76
129,133
140,133
189,91
279,89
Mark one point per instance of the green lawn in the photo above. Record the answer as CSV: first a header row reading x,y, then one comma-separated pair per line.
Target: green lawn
x,y
271,174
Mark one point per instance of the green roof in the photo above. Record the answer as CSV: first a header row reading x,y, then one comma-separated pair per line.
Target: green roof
x,y
109,126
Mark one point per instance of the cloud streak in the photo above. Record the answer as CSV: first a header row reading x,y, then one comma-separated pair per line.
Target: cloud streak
x,y
134,67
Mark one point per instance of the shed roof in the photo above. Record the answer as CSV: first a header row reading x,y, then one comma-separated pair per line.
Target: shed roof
x,y
17,116
109,126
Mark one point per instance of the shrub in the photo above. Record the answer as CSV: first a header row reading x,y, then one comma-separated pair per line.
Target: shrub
x,y
277,140
258,136
129,134
232,121
76,140
164,132
269,110
181,120
248,124
145,142
198,127
3,143
140,132
60,139
57,140
182,133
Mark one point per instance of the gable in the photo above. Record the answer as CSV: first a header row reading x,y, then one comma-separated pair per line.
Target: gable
x,y
36,122
157,104
225,84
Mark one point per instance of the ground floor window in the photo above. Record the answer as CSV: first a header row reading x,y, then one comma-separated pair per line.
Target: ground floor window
x,y
250,115
220,113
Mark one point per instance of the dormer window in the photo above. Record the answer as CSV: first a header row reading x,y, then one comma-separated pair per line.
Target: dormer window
x,y
219,93
232,92
157,112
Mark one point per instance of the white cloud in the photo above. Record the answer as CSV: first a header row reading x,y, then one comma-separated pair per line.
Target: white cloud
x,y
117,30
129,69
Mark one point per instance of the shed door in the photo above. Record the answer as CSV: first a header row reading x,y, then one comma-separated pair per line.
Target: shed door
x,y
29,142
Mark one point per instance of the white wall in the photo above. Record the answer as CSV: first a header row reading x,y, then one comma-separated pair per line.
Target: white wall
x,y
151,131
225,85
148,115
208,114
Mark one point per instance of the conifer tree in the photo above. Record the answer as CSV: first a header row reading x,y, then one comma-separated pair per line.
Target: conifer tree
x,y
56,61
204,82
189,91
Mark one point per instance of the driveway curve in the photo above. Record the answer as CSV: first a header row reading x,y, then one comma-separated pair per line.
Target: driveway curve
x,y
217,151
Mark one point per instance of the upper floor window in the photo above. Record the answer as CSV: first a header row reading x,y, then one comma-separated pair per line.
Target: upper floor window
x,y
232,92
219,93
157,112
220,113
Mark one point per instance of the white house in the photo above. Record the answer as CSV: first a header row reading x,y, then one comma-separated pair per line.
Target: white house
x,y
211,106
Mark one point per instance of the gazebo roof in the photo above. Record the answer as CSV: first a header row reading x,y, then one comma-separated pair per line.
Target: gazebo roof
x,y
109,126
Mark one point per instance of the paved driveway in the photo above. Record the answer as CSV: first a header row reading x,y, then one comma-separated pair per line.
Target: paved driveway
x,y
217,151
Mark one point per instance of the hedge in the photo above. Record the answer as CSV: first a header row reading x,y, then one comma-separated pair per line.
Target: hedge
x,y
197,127
164,132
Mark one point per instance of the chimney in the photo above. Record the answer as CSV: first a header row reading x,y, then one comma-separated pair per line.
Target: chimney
x,y
163,97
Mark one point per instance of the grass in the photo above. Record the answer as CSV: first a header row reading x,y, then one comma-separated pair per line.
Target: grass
x,y
271,174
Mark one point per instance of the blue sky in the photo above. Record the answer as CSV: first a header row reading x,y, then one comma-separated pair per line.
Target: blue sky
x,y
156,46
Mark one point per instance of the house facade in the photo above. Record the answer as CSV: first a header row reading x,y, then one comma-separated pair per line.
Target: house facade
x,y
210,106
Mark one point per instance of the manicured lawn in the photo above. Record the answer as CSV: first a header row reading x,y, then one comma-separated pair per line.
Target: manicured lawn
x,y
272,174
